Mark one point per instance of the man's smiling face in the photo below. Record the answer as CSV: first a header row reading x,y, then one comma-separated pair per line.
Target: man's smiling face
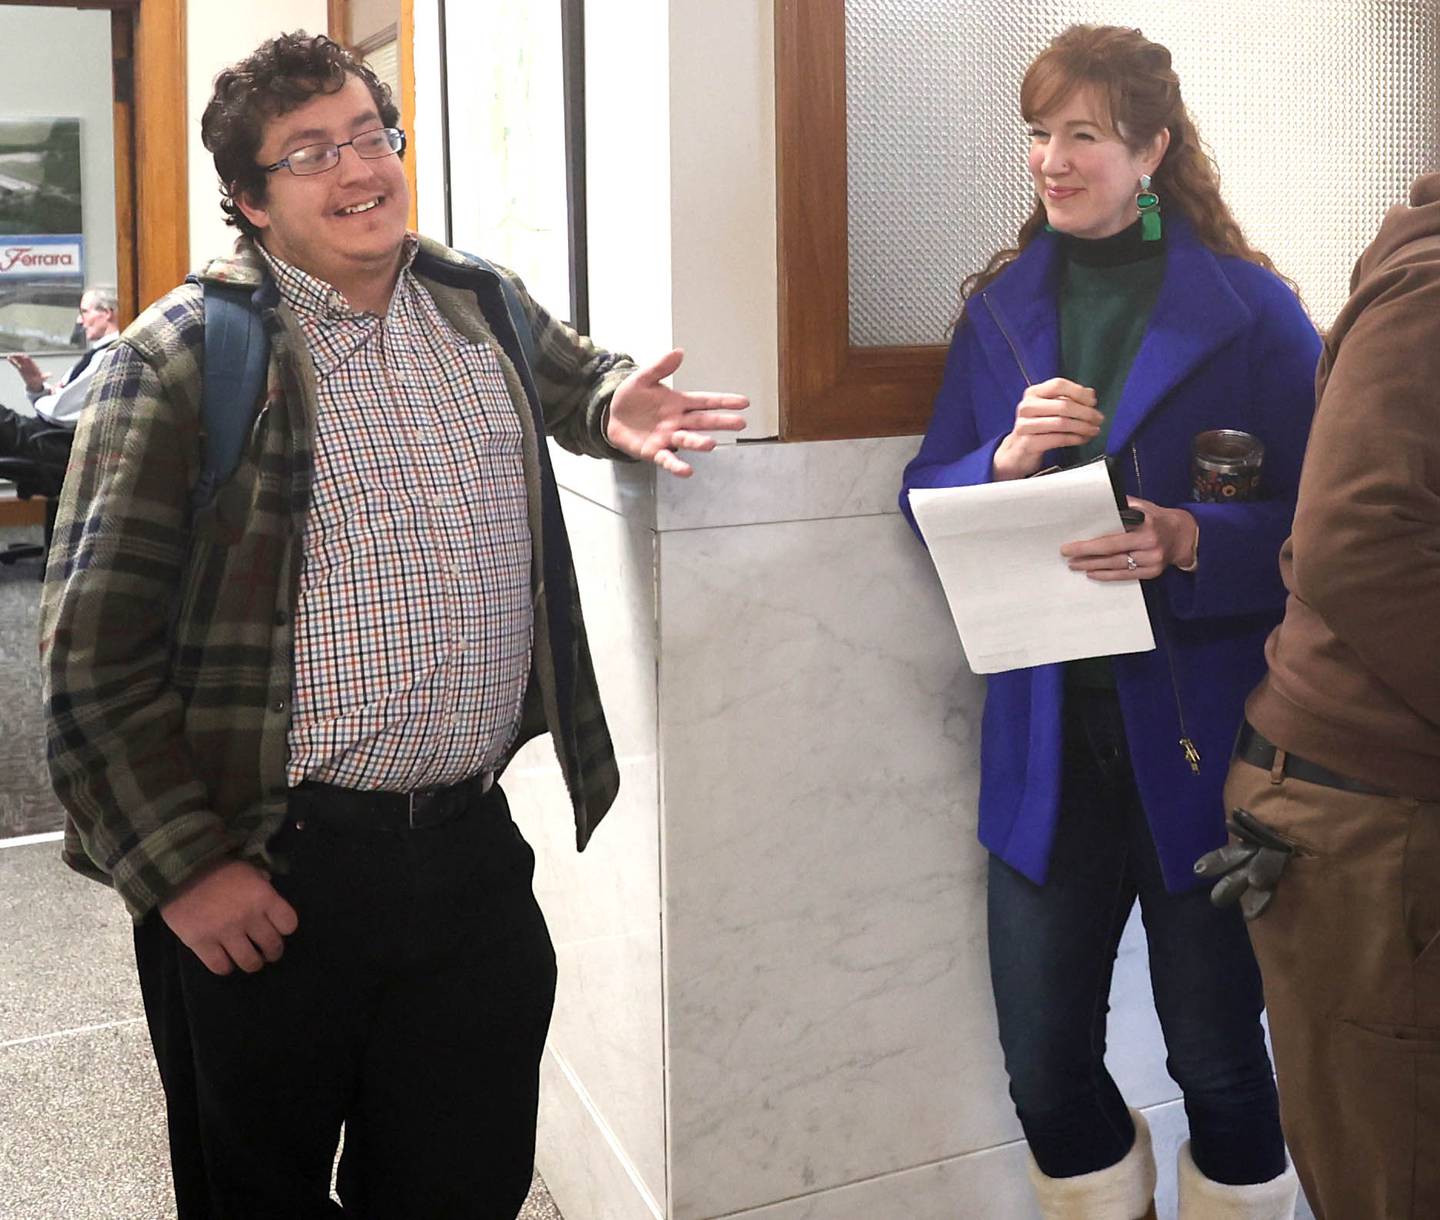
x,y
347,223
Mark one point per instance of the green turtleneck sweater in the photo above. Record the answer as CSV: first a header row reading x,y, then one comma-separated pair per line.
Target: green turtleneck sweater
x,y
1108,288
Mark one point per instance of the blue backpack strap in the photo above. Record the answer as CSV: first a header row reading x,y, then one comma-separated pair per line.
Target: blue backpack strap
x,y
513,307
237,353
518,320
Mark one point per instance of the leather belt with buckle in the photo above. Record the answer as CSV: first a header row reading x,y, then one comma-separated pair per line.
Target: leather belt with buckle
x,y
370,810
1253,747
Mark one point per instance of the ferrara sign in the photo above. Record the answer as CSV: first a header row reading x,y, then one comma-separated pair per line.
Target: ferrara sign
x,y
34,258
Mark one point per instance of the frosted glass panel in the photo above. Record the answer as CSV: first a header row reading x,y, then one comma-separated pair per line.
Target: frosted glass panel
x,y
1319,113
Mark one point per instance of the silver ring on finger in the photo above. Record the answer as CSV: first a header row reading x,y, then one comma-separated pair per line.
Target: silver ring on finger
x,y
1130,563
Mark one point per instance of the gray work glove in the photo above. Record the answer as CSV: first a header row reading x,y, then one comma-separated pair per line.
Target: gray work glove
x,y
1249,867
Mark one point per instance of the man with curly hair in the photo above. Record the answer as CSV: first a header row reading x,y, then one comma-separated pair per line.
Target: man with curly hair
x,y
278,714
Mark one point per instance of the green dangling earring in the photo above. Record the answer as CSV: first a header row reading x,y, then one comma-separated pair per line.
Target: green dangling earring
x,y
1147,202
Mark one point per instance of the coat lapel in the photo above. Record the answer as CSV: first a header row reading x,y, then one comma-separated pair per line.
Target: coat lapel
x,y
1022,305
1196,313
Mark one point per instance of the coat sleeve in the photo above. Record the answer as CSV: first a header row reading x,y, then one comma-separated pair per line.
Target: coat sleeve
x,y
117,754
576,379
1239,557
1367,533
953,453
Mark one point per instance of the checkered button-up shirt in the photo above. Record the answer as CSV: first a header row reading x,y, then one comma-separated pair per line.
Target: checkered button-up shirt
x,y
413,625
168,636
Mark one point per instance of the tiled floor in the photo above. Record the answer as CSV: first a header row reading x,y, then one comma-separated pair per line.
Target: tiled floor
x,y
82,1128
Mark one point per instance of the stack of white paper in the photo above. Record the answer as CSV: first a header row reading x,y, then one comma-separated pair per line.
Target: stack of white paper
x,y
1015,601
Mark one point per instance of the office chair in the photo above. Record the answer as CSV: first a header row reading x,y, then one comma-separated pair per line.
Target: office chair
x,y
40,474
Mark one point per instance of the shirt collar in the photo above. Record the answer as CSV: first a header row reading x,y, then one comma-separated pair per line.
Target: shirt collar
x,y
311,297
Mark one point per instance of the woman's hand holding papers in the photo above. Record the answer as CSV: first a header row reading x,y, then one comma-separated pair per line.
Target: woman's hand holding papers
x,y
1166,536
1055,414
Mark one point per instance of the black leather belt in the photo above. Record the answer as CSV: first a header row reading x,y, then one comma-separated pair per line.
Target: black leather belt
x,y
1253,747
365,810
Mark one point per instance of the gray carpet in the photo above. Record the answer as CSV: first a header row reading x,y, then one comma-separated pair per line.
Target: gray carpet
x,y
27,805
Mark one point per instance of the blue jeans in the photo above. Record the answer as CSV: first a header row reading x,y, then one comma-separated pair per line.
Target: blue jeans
x,y
1052,954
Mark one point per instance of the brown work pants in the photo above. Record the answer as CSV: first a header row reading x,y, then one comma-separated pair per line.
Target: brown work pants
x,y
1350,953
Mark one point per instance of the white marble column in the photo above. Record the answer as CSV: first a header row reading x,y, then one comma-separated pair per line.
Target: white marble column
x,y
774,999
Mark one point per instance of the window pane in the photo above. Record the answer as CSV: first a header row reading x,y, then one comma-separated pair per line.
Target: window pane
x,y
1319,112
57,181
38,319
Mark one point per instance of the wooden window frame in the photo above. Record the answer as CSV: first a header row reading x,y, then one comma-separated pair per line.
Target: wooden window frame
x,y
160,165
407,106
337,21
338,26
830,389
152,217
152,198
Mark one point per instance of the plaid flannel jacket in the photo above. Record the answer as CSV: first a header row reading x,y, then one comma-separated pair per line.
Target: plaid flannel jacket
x,y
166,630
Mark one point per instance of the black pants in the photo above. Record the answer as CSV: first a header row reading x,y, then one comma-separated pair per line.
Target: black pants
x,y
411,1007
1052,951
27,436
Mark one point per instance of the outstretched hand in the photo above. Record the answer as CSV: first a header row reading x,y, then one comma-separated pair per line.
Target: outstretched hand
x,y
653,422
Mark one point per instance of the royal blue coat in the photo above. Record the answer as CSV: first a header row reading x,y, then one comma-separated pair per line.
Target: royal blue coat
x,y
1228,345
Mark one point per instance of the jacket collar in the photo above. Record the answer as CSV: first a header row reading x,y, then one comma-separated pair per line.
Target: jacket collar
x,y
245,265
1196,313
432,251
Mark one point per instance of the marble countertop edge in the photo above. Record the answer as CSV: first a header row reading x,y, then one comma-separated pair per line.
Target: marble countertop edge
x,y
764,482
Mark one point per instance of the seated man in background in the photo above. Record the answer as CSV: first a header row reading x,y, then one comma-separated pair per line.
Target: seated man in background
x,y
58,404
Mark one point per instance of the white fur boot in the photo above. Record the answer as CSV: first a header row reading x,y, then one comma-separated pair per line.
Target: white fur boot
x,y
1123,1191
1202,1199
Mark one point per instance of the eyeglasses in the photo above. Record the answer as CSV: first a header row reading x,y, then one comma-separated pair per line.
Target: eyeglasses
x,y
317,158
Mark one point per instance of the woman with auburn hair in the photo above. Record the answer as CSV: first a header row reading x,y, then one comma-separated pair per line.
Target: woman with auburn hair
x,y
1131,316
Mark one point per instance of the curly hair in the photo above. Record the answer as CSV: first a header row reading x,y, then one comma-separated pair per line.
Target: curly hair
x,y
277,77
1134,81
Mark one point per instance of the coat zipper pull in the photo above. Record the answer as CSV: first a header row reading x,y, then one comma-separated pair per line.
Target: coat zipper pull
x,y
1192,755
1187,747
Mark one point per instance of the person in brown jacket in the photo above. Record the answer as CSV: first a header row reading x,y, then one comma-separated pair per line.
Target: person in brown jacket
x,y
1340,754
